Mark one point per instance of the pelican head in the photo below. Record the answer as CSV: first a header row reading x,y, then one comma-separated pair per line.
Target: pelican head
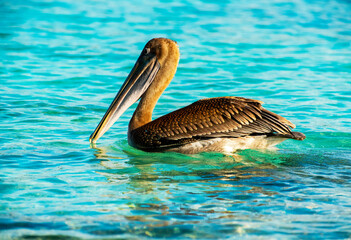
x,y
149,77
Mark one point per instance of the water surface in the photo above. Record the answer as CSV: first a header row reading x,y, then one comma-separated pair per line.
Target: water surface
x,y
62,63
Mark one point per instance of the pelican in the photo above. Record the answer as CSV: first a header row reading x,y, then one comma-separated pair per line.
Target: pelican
x,y
221,124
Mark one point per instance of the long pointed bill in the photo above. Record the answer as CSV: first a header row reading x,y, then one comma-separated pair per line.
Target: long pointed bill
x,y
137,82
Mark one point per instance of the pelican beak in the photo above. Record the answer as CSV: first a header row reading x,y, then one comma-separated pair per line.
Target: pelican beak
x,y
137,82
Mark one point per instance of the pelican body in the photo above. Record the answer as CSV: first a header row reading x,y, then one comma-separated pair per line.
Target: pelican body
x,y
222,124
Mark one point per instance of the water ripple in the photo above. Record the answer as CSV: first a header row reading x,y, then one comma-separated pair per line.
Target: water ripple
x,y
63,62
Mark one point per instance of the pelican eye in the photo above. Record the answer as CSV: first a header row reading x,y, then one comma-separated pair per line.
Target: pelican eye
x,y
146,51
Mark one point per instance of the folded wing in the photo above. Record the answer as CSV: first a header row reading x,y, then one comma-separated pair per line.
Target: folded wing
x,y
210,118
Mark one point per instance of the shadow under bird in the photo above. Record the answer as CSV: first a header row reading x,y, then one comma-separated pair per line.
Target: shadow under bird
x,y
222,124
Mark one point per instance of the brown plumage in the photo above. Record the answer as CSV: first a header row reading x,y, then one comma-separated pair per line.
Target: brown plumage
x,y
222,117
222,124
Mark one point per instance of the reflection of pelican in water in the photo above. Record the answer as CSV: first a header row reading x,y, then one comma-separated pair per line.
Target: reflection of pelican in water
x,y
222,124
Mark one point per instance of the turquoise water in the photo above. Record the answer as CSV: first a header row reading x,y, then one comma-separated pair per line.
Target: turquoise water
x,y
62,63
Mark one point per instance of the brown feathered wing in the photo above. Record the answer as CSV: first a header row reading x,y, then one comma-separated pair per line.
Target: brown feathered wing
x,y
209,118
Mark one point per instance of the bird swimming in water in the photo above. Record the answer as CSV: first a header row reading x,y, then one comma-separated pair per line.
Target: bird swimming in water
x,y
221,124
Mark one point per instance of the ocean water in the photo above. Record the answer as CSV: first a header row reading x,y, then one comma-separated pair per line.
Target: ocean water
x,y
62,63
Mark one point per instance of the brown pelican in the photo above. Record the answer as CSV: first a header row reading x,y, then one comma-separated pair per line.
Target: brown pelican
x,y
222,124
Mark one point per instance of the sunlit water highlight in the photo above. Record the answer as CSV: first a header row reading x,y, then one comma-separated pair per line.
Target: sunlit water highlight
x,y
62,62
